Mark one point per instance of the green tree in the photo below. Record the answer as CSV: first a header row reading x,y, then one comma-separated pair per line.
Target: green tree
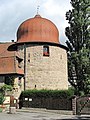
x,y
78,34
5,88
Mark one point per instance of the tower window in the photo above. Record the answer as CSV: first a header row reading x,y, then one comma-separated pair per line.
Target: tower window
x,y
29,60
35,86
29,57
45,50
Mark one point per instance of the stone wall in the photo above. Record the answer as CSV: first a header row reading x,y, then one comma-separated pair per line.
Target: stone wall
x,y
45,72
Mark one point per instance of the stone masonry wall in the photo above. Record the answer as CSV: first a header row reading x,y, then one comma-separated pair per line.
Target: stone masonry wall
x,y
43,72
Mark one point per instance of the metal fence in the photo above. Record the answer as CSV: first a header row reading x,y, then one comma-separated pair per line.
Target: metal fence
x,y
83,105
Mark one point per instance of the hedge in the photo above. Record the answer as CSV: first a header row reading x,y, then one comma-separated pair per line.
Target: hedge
x,y
48,93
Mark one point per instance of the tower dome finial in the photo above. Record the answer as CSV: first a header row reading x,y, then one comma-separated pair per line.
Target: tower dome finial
x,y
38,29
38,9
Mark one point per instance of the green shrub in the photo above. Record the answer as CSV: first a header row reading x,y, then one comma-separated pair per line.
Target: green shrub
x,y
0,109
1,98
3,89
48,93
6,87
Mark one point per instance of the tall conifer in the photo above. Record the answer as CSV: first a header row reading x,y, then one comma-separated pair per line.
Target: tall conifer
x,y
78,34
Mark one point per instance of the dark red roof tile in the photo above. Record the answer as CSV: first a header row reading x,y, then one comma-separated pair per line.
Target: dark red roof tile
x,y
8,61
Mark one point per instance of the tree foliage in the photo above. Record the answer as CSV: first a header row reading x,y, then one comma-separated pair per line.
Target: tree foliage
x,y
78,34
5,88
1,98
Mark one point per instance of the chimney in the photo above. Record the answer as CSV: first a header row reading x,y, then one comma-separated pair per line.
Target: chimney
x,y
12,40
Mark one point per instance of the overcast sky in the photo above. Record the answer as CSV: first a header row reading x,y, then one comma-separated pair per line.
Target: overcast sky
x,y
14,12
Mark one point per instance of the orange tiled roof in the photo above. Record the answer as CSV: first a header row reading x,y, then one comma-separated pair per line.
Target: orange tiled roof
x,y
8,63
38,29
3,50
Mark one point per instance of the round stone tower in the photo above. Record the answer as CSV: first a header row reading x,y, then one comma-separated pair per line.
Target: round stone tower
x,y
44,58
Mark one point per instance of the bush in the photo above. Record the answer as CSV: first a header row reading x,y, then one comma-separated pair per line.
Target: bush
x,y
1,98
6,87
48,93
3,89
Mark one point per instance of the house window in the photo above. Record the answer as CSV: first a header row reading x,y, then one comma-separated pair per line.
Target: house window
x,y
45,50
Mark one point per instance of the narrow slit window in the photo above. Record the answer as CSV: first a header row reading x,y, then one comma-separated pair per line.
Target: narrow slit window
x,y
45,50
29,60
29,57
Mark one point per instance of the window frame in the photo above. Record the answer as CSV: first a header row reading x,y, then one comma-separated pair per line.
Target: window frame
x,y
46,50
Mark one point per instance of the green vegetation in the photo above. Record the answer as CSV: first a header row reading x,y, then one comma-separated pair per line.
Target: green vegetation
x,y
3,90
6,87
1,98
78,43
48,93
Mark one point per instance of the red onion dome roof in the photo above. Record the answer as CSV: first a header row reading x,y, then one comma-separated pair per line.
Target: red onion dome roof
x,y
38,29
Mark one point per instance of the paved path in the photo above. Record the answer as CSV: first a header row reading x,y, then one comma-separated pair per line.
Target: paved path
x,y
39,114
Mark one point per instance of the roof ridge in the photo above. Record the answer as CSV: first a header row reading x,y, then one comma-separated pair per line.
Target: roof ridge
x,y
1,43
6,56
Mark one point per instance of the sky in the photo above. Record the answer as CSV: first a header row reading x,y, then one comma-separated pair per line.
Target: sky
x,y
14,12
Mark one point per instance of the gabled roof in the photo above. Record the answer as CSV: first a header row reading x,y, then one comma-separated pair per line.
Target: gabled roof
x,y
3,50
8,61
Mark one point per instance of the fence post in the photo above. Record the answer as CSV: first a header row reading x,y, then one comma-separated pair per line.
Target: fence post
x,y
74,104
